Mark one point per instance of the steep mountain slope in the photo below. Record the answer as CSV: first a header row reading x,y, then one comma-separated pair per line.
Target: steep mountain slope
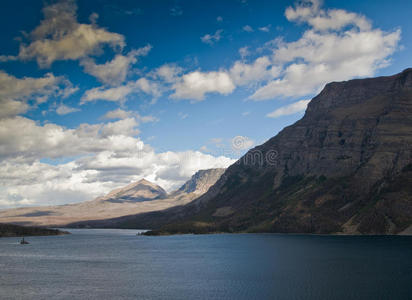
x,y
138,197
344,167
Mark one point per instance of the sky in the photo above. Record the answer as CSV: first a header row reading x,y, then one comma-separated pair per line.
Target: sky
x,y
97,94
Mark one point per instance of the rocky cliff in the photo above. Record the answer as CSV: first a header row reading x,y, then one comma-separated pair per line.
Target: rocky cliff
x,y
345,167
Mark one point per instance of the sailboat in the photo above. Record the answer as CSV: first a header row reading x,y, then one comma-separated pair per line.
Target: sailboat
x,y
23,242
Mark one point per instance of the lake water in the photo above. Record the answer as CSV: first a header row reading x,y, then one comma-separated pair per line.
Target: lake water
x,y
117,264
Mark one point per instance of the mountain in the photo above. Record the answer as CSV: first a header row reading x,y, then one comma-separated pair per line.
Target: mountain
x,y
139,191
200,182
345,167
139,197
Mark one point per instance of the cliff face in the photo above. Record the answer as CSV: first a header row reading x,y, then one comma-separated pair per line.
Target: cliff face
x,y
344,167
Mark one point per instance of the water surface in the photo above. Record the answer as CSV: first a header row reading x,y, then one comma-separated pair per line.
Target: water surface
x,y
117,264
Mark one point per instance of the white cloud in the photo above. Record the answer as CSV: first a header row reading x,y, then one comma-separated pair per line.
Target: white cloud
x,y
119,114
261,69
219,19
299,106
309,11
102,157
63,109
114,72
244,52
24,138
17,94
265,28
60,37
212,38
120,93
168,73
338,46
196,84
247,28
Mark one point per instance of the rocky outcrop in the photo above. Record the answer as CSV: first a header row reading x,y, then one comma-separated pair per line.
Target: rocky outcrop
x,y
345,167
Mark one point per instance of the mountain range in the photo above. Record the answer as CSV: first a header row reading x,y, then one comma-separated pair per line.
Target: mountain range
x,y
137,197
344,168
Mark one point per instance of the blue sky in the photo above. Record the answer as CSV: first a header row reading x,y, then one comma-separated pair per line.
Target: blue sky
x,y
95,94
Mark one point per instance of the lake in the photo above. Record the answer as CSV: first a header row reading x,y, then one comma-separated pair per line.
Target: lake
x,y
117,264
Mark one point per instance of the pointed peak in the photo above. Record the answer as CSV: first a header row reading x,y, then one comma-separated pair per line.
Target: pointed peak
x,y
144,181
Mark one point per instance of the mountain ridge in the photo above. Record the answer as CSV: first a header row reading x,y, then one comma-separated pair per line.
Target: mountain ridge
x,y
345,167
140,196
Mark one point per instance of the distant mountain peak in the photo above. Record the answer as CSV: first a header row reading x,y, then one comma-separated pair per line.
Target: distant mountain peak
x,y
201,181
142,190
145,181
136,197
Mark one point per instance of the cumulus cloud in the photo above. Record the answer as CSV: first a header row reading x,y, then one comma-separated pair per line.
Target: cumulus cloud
x,y
212,38
339,45
120,93
17,94
310,12
196,84
101,157
23,138
261,69
114,72
119,114
169,73
299,106
63,109
60,37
